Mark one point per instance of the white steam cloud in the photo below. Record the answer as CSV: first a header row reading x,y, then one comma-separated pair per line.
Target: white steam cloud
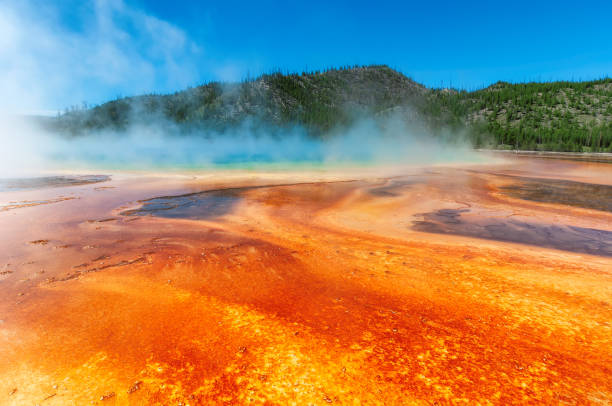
x,y
388,141
112,48
115,48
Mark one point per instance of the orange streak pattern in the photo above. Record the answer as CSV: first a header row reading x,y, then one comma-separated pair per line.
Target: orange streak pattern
x,y
317,293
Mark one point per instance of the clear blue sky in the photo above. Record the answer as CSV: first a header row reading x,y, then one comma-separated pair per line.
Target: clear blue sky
x,y
468,43
97,49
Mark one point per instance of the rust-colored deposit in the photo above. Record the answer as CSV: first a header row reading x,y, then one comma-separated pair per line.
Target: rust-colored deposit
x,y
487,284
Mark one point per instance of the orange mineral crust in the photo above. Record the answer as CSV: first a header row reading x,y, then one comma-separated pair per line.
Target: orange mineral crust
x,y
483,284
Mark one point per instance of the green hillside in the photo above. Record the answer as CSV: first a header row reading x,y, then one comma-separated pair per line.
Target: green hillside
x,y
557,116
554,116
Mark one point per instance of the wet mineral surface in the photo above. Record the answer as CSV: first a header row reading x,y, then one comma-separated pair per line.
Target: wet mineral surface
x,y
39,182
447,285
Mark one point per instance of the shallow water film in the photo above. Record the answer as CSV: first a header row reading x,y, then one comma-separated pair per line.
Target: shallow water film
x,y
488,284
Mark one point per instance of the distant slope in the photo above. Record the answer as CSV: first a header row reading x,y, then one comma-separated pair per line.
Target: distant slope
x,y
318,101
559,116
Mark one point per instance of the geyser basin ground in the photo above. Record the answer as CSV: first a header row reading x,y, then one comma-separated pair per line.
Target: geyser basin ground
x,y
442,284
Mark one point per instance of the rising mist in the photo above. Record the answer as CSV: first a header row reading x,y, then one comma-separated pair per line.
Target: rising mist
x,y
162,145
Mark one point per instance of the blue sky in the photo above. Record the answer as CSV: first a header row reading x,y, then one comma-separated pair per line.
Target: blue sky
x,y
467,43
96,50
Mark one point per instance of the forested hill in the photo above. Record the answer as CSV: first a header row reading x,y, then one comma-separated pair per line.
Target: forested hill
x,y
554,116
318,101
560,116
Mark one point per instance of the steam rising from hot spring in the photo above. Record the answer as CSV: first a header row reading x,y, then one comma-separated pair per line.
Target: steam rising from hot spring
x,y
29,149
119,48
